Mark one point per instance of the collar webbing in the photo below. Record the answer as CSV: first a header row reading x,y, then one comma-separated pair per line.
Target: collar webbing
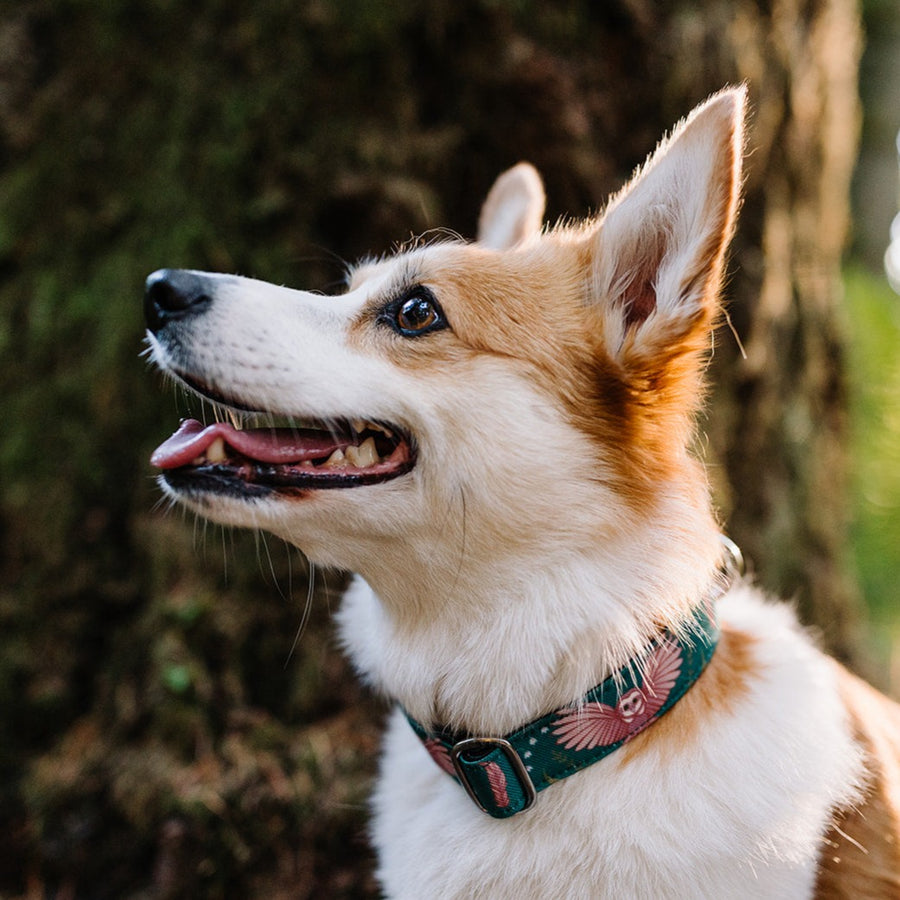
x,y
503,775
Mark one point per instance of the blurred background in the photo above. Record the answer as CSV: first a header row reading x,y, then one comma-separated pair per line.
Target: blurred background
x,y
164,731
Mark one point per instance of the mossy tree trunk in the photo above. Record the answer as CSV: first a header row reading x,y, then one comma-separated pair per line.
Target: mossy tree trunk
x,y
158,732
782,426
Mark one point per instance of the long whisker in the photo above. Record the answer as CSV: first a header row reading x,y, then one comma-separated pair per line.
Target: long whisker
x,y
307,609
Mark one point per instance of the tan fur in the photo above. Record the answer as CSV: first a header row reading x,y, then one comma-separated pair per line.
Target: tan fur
x,y
481,293
641,405
861,853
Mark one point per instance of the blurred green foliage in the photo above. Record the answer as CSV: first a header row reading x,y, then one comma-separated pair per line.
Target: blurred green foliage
x,y
874,358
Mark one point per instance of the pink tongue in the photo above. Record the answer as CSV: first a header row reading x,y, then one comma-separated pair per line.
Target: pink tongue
x,y
267,445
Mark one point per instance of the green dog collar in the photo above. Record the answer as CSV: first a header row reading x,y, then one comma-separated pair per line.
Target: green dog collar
x,y
504,775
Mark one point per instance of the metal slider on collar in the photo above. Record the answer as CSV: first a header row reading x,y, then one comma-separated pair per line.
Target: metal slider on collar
x,y
494,776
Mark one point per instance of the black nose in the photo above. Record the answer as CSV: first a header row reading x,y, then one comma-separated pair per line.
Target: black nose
x,y
174,293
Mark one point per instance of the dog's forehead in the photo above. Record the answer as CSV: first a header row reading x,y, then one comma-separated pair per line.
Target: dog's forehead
x,y
455,263
379,274
371,274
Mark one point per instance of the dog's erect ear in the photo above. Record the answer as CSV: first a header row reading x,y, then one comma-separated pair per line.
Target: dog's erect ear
x,y
658,254
513,210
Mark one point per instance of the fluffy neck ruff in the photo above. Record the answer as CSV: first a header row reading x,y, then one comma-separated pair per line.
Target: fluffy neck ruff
x,y
503,775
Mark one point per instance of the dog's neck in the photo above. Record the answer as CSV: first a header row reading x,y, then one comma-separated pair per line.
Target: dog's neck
x,y
487,644
503,774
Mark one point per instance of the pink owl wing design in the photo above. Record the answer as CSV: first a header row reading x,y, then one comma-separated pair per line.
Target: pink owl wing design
x,y
660,674
440,754
598,724
589,726
497,781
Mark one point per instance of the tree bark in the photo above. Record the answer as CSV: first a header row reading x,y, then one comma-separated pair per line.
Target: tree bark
x,y
785,401
159,733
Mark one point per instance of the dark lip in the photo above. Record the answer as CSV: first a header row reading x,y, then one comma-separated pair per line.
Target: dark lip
x,y
249,480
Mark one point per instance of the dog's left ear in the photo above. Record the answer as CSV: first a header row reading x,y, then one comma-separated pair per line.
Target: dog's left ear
x,y
513,210
658,255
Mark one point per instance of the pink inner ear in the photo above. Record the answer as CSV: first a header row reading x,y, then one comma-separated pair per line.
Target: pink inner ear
x,y
640,304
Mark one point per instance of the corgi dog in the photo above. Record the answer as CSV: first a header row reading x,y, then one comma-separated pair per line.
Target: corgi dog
x,y
495,435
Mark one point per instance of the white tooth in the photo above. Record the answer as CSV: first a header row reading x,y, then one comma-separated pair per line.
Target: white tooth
x,y
374,426
336,460
215,452
366,453
358,426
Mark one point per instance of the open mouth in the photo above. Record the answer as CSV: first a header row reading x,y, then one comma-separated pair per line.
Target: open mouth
x,y
227,458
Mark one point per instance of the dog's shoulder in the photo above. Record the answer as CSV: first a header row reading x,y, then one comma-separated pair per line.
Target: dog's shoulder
x,y
767,679
861,852
766,726
790,693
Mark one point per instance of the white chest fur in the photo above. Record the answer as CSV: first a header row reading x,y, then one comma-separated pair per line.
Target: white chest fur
x,y
735,809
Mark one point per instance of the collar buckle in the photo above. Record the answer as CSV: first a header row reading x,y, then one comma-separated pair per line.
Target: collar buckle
x,y
494,776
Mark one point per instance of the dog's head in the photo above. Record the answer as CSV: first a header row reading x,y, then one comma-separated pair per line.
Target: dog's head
x,y
477,395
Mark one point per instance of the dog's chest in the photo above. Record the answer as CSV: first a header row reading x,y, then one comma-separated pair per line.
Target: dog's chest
x,y
588,838
732,805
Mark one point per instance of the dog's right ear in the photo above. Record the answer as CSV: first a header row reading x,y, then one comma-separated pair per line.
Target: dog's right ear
x,y
658,255
655,264
513,210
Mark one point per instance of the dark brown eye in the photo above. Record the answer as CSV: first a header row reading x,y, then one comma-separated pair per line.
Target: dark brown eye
x,y
417,313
